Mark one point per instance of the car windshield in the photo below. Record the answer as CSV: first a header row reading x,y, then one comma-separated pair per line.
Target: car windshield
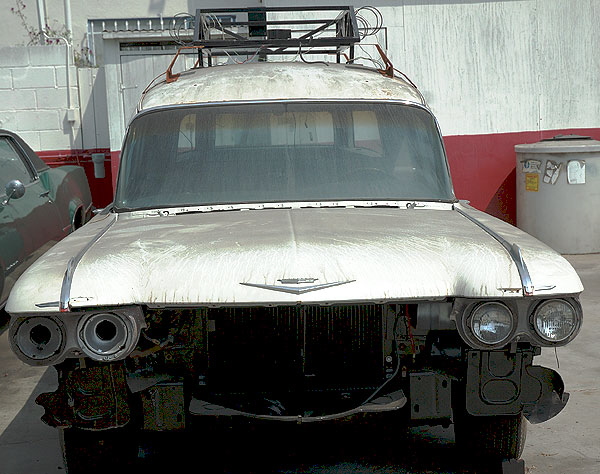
x,y
282,152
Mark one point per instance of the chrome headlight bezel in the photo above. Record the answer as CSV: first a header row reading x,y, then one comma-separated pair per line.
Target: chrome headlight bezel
x,y
576,321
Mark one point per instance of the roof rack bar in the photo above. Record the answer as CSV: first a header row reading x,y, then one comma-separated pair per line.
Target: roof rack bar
x,y
275,9
250,52
270,22
248,43
221,32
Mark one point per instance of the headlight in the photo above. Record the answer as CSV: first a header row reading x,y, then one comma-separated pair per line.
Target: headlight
x,y
555,320
491,323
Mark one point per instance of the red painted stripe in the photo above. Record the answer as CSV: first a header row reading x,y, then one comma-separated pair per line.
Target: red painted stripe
x,y
483,167
101,188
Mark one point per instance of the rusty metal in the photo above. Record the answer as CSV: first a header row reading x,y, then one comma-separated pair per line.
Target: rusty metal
x,y
89,398
389,67
170,77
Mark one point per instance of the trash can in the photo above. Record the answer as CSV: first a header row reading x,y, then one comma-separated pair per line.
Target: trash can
x,y
558,192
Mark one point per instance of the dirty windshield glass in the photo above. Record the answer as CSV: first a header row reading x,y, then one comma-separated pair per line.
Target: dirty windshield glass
x,y
260,153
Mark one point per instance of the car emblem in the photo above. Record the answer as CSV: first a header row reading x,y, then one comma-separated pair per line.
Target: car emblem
x,y
296,281
297,286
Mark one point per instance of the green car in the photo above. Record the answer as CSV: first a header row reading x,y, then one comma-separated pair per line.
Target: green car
x,y
38,207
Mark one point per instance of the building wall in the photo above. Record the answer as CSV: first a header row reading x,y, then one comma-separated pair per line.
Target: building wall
x,y
65,125
496,72
33,95
14,33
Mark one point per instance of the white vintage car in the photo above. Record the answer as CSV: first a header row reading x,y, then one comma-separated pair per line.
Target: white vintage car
x,y
285,245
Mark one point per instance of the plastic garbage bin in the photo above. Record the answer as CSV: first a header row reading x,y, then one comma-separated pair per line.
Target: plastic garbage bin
x,y
558,192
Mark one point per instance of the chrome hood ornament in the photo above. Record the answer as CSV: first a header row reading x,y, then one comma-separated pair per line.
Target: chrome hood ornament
x,y
300,285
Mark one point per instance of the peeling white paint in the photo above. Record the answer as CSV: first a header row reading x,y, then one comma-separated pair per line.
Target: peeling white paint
x,y
277,81
391,254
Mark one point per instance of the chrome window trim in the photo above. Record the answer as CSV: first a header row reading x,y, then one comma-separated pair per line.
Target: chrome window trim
x,y
281,101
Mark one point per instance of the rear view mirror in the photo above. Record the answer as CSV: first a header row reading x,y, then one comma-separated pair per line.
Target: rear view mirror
x,y
15,189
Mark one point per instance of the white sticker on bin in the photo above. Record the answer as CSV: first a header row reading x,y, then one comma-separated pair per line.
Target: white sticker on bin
x,y
576,172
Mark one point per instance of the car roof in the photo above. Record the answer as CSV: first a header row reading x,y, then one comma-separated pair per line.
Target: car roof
x,y
269,81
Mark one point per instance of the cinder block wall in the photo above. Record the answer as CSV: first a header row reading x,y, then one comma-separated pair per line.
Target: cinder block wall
x,y
33,96
34,104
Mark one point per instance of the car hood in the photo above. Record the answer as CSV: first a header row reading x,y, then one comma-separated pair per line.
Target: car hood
x,y
280,256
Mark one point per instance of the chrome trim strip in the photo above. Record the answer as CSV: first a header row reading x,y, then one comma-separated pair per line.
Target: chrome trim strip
x,y
513,250
50,304
299,290
390,402
401,204
65,290
226,103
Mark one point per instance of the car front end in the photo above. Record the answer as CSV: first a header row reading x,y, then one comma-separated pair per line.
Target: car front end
x,y
294,260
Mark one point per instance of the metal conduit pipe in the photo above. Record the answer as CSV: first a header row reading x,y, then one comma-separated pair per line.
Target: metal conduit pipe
x,y
68,22
41,8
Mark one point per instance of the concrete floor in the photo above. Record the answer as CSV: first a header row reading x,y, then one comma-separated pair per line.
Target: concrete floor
x,y
567,444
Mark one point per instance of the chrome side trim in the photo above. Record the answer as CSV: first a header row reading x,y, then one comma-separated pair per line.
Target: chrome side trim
x,y
513,250
50,304
65,290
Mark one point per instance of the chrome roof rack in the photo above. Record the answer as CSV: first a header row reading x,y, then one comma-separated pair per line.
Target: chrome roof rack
x,y
266,31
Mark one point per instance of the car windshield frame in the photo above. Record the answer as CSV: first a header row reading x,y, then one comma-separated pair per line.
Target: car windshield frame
x,y
282,151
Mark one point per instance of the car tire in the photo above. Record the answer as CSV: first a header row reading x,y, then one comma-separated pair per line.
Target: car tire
x,y
492,437
97,451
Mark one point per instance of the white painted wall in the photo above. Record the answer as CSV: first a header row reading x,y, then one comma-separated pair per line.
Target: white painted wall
x,y
496,66
33,95
486,67
503,66
34,102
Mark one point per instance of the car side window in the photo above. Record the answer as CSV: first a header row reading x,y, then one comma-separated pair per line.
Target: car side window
x,y
11,165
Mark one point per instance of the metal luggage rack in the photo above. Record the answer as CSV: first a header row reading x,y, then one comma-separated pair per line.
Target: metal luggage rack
x,y
267,31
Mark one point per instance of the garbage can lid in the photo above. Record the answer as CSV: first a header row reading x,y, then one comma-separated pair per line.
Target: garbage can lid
x,y
561,144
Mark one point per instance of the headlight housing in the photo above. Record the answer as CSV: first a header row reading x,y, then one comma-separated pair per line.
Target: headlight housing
x,y
556,320
40,339
51,338
105,336
491,324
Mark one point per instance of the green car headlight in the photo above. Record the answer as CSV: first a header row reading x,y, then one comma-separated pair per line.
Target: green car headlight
x,y
555,320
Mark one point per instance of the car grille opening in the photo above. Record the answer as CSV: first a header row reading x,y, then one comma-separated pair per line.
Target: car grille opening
x,y
298,350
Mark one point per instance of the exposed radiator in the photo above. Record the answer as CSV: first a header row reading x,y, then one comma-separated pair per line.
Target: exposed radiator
x,y
295,348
